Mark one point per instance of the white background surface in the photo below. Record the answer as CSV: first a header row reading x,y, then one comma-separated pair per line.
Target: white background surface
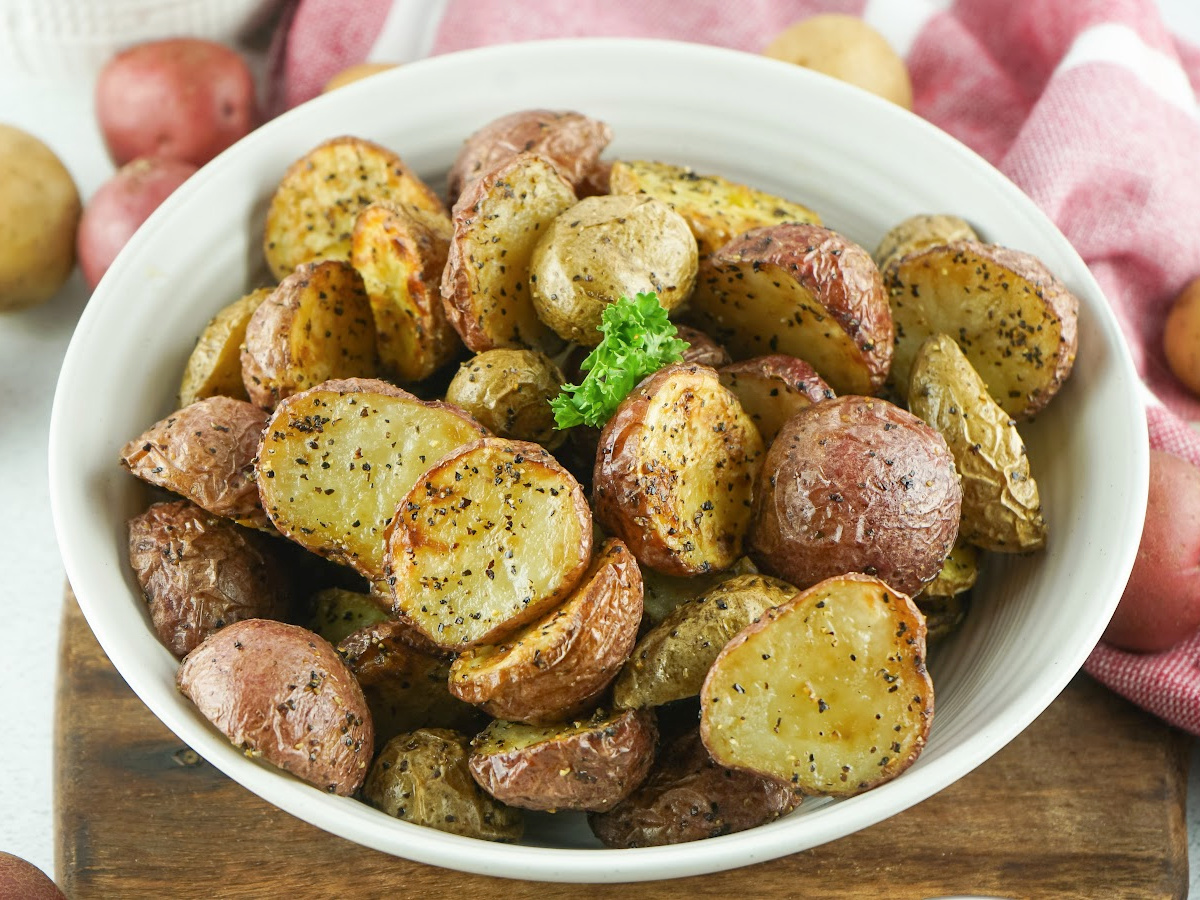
x,y
32,344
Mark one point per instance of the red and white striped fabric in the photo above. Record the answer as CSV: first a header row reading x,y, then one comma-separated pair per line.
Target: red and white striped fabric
x,y
1088,105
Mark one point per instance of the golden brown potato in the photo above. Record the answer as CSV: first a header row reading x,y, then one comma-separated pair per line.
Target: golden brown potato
x,y
1014,320
205,452
281,693
717,210
422,777
773,388
605,248
828,692
497,223
315,326
671,660
215,366
688,797
509,391
802,290
856,484
336,460
336,613
701,350
958,572
400,251
554,668
200,572
675,470
1181,337
493,536
589,765
918,233
313,210
662,593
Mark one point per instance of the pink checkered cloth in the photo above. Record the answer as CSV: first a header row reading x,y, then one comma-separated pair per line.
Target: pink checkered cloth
x,y
1088,105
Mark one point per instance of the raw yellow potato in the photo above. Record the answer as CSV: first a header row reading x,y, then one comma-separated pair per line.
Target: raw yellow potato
x,y
918,233
1181,337
846,48
215,366
351,74
39,212
509,391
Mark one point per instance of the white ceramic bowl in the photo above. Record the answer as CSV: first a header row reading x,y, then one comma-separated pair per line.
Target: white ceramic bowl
x,y
863,163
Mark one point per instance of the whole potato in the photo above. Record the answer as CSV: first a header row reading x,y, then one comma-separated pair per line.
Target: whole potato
x,y
119,208
39,211
182,98
509,392
20,878
1161,603
1181,337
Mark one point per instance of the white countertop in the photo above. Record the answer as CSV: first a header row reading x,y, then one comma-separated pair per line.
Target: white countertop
x,y
32,345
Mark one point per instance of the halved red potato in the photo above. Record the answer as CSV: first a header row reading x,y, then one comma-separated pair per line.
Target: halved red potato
x,y
773,388
828,692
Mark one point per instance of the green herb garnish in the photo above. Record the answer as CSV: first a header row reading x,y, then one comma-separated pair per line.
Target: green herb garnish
x,y
638,340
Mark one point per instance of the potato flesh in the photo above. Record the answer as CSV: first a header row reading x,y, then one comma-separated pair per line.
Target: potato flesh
x,y
215,366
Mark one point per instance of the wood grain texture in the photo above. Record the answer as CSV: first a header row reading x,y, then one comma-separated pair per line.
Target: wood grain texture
x,y
1088,802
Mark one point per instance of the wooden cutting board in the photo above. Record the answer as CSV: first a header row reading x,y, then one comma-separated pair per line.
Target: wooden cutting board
x,y
1087,803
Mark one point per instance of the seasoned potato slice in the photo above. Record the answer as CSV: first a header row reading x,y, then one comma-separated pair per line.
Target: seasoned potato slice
x,y
919,232
215,366
400,251
1001,508
828,692
675,469
589,765
205,452
717,210
282,693
422,777
315,326
671,660
554,668
336,460
493,536
773,388
509,391
313,210
802,290
339,612
497,223
688,797
1013,319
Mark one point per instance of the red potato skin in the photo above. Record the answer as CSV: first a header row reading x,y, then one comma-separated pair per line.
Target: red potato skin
x,y
1161,603
183,98
22,880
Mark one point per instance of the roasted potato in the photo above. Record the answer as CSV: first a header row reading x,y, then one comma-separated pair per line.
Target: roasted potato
x,y
675,470
336,460
215,366
497,224
400,251
496,534
773,388
509,391
282,693
205,452
312,212
200,572
943,615
855,484
336,613
662,593
671,660
1013,319
588,765
422,777
688,797
918,233
717,210
570,141
958,572
802,290
1001,508
603,248
701,349
828,692
554,668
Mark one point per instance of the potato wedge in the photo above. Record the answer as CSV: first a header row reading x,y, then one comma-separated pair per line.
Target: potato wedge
x,y
215,366
509,391
336,613
493,536
773,388
1016,322
919,232
1001,508
400,251
588,765
205,452
671,660
554,668
802,290
336,460
828,692
312,212
497,223
675,469
315,326
716,209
